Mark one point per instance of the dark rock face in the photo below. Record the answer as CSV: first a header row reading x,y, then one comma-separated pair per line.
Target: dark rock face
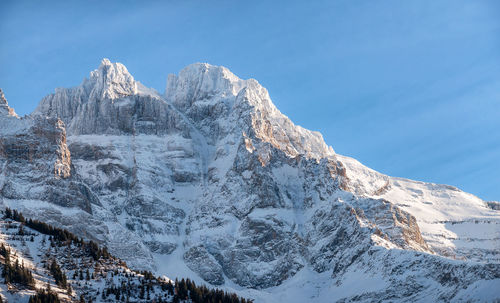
x,y
493,205
205,264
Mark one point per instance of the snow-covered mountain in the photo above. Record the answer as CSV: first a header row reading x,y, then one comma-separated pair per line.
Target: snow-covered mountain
x,y
210,180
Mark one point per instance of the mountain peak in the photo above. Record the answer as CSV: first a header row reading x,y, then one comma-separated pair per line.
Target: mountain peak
x,y
200,69
111,81
199,81
106,61
214,179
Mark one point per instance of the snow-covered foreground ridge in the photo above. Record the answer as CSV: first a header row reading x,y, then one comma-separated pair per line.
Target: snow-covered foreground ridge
x,y
210,180
38,258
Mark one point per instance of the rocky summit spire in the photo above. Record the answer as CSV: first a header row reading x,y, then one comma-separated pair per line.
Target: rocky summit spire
x,y
199,81
5,110
111,81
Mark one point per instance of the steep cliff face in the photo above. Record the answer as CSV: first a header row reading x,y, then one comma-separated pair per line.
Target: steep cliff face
x,y
212,177
36,165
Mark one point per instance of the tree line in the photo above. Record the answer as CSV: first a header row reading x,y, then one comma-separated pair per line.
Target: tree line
x,y
59,234
15,273
179,291
44,296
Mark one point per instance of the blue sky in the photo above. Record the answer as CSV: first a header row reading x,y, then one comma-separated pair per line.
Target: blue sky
x,y
409,88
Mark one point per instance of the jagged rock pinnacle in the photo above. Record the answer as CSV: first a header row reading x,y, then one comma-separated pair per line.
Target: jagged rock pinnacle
x,y
2,97
111,81
5,109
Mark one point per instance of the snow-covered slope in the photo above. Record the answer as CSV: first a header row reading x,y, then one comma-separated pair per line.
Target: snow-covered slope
x,y
211,177
73,270
453,223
